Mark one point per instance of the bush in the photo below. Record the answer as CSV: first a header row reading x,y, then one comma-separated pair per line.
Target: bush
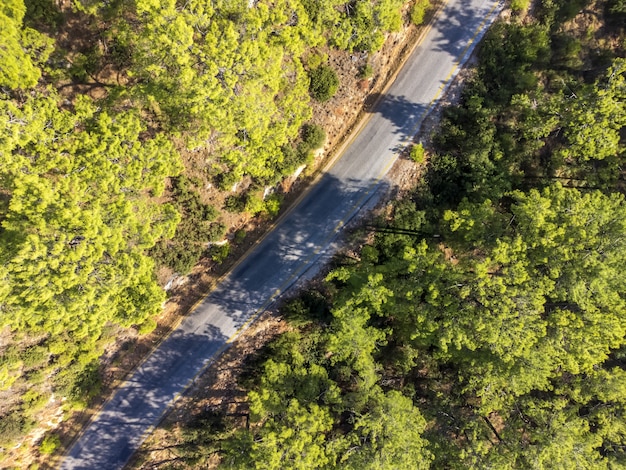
x,y
519,5
217,230
13,426
42,11
240,235
49,444
324,83
315,60
235,203
219,253
180,256
147,327
417,153
35,356
33,401
185,249
227,179
303,154
313,136
254,204
272,204
366,71
85,66
418,12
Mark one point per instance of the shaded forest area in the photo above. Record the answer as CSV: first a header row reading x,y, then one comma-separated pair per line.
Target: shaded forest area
x,y
484,326
114,115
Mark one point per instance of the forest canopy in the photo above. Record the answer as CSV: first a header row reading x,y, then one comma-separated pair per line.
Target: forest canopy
x,y
114,119
483,324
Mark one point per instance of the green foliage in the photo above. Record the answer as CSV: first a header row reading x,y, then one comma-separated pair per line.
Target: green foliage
x,y
219,253
493,298
496,307
13,426
229,77
310,306
272,204
314,60
617,7
42,11
323,83
509,57
520,5
392,432
49,444
299,401
364,24
52,224
148,326
86,64
22,50
366,71
240,236
217,230
235,203
313,136
417,153
418,11
195,229
76,221
293,157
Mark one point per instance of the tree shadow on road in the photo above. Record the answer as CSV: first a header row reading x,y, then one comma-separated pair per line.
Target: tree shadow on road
x,y
406,116
451,23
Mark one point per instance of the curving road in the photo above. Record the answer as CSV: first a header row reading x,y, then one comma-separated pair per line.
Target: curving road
x,y
292,250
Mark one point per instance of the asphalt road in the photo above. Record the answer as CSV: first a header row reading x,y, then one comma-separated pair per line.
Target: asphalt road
x,y
292,250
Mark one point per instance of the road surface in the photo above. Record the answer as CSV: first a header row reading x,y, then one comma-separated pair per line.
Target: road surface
x,y
291,250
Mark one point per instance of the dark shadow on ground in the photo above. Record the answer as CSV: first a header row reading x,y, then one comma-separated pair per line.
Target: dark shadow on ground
x,y
405,115
451,26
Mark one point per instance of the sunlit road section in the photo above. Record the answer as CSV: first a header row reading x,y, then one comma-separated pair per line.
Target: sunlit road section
x,y
292,249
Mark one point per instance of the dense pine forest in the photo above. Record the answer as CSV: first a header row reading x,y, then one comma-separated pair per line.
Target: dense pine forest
x,y
484,325
114,115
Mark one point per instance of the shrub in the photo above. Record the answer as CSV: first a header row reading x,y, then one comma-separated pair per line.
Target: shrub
x,y
217,230
313,136
187,246
519,5
13,426
254,204
366,71
417,153
227,179
44,11
240,235
235,203
33,401
418,12
272,204
147,326
49,444
324,83
315,60
219,253
303,154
